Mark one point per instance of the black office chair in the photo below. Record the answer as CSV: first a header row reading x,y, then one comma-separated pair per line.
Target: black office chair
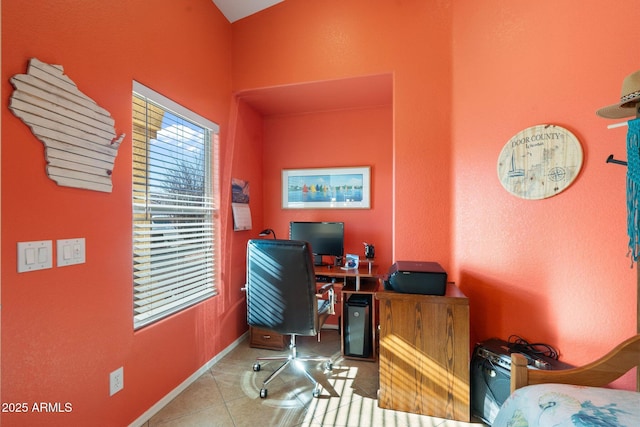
x,y
282,297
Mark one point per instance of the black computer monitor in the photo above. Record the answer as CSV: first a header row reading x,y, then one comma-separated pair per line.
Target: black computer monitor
x,y
326,238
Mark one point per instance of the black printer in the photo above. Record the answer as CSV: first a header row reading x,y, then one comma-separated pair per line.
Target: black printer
x,y
416,277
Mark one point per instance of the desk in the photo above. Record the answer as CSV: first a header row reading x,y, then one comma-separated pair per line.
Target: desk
x,y
365,282
368,271
362,281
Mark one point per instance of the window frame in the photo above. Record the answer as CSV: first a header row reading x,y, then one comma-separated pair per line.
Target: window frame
x,y
147,311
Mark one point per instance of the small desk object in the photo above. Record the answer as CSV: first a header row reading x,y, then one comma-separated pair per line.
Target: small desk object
x,y
424,353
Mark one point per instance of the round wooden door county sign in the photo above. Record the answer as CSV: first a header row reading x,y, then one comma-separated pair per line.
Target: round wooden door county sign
x,y
539,162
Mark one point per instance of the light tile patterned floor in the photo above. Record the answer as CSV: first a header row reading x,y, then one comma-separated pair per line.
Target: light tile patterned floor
x,y
228,395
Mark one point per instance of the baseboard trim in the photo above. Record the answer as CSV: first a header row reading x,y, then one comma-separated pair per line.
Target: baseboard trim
x,y
142,419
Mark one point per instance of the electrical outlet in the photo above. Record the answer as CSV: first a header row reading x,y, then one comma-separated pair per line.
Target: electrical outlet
x,y
71,251
116,381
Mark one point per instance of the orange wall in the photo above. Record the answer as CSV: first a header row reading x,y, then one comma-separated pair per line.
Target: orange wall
x,y
65,329
333,139
337,39
553,270
467,76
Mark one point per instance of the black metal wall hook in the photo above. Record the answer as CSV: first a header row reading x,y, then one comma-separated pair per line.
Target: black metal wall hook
x,y
610,159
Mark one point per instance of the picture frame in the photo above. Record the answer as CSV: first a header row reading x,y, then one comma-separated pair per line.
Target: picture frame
x,y
327,188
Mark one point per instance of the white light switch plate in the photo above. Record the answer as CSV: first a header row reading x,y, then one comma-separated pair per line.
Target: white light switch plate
x,y
70,252
35,255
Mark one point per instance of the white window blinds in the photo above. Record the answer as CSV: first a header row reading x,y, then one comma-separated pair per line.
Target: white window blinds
x,y
174,207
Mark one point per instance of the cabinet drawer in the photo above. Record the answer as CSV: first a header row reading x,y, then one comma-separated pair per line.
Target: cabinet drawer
x,y
261,338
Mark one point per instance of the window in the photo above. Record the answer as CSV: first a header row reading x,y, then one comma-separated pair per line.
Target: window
x,y
175,197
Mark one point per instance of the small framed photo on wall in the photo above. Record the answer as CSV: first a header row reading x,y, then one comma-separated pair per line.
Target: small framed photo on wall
x,y
327,188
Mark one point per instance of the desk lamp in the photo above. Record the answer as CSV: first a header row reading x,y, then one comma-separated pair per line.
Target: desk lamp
x,y
266,232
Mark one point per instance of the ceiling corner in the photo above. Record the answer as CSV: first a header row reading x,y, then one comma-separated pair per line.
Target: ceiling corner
x,y
234,10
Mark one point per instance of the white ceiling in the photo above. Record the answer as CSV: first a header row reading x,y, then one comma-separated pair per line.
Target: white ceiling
x,y
238,9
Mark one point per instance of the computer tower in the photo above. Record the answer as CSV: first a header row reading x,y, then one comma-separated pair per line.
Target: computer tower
x,y
357,328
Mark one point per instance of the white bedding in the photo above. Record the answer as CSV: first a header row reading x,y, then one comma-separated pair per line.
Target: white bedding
x,y
548,405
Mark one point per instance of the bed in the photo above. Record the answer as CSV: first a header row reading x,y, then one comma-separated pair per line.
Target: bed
x,y
573,397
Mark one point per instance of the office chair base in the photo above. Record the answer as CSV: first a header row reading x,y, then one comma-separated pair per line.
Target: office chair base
x,y
292,357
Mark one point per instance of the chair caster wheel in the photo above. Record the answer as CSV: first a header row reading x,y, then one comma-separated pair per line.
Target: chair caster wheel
x,y
263,393
316,393
329,366
256,367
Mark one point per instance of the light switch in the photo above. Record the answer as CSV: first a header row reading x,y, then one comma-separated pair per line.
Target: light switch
x,y
34,255
66,252
30,253
71,251
43,254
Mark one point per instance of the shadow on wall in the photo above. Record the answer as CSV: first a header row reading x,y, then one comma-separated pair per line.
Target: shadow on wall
x,y
498,309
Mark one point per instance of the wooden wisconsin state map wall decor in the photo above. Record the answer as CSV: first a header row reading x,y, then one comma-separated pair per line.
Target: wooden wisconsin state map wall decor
x,y
539,162
78,135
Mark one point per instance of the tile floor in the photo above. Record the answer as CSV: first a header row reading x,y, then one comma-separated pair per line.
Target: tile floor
x,y
227,395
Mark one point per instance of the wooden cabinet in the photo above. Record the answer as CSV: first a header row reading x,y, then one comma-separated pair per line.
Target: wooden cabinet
x,y
262,338
424,353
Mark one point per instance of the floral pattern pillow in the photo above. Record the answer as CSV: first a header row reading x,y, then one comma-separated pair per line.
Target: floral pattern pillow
x,y
561,405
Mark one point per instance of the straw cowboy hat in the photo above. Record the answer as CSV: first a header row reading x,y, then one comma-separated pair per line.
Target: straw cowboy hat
x,y
628,99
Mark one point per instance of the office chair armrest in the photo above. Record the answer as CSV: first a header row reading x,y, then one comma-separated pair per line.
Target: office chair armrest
x,y
325,289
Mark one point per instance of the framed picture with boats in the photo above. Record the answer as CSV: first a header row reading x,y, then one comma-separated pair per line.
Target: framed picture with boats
x,y
327,188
